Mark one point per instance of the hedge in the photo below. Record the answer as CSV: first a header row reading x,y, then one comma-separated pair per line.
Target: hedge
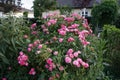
x,y
112,56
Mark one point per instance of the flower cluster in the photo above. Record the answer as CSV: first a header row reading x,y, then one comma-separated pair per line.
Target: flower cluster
x,y
33,28
51,22
65,40
34,45
70,39
50,65
32,71
71,55
82,37
22,59
4,78
45,30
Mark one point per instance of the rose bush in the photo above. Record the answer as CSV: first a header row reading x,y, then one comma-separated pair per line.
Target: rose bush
x,y
62,48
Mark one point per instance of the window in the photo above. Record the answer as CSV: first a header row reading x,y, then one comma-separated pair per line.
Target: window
x,y
85,14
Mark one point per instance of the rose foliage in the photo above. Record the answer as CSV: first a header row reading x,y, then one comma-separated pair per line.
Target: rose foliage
x,y
62,48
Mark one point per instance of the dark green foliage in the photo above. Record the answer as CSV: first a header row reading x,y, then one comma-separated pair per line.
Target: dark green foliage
x,y
42,6
25,14
11,42
105,12
66,10
117,21
112,55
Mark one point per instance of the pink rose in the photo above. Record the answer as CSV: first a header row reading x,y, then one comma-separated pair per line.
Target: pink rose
x,y
79,52
52,21
22,59
39,46
55,53
76,54
25,36
48,24
75,62
68,59
70,39
30,45
32,71
33,26
54,38
29,49
43,27
85,65
79,60
21,53
71,55
49,61
60,40
34,32
61,68
45,30
57,75
47,42
70,51
46,66
35,43
69,19
51,78
63,33
74,25
4,78
50,68
85,43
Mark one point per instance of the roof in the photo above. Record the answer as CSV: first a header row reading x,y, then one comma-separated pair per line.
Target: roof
x,y
27,10
78,3
24,10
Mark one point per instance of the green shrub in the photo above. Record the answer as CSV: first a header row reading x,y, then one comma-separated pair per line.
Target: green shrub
x,y
25,14
43,6
105,12
117,21
49,37
39,48
12,31
112,55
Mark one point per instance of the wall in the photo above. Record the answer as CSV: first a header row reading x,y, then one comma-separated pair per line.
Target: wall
x,y
78,11
20,14
44,14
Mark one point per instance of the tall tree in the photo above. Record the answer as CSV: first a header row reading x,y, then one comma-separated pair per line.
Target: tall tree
x,y
105,13
42,6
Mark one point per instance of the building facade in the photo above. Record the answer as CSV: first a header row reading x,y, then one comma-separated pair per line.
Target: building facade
x,y
81,7
9,5
10,2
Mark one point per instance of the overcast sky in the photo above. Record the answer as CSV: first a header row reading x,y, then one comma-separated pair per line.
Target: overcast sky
x,y
27,4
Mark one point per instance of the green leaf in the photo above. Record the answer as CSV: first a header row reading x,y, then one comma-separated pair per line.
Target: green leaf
x,y
42,76
5,60
13,43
